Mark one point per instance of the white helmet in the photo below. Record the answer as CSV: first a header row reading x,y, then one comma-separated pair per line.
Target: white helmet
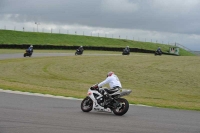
x,y
127,46
110,73
31,46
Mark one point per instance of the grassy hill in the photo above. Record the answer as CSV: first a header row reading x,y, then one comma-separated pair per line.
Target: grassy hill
x,y
36,38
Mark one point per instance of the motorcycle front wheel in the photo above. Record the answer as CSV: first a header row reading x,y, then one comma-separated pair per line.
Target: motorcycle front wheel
x,y
122,108
86,104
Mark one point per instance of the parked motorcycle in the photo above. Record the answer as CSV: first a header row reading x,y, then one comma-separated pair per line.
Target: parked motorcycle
x,y
28,53
78,52
125,52
97,102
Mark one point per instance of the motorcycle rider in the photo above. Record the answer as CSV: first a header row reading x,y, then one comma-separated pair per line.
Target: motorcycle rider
x,y
159,50
114,83
127,50
30,49
80,49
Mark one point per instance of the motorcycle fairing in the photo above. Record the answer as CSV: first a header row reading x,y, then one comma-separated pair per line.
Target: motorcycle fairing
x,y
96,106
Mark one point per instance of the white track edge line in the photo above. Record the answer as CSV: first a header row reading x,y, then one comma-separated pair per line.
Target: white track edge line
x,y
52,96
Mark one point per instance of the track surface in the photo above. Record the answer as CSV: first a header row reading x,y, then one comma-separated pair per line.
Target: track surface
x,y
35,114
17,55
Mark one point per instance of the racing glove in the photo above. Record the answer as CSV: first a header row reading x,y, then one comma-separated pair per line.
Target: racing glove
x,y
95,87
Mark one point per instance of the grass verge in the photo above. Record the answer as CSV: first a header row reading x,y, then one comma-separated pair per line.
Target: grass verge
x,y
162,81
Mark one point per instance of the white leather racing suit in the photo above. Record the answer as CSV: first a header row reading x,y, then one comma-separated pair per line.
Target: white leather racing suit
x,y
113,82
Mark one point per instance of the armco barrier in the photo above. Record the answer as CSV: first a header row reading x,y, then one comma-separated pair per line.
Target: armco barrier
x,y
46,46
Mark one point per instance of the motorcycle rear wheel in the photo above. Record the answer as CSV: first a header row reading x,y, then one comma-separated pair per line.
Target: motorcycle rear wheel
x,y
86,104
123,108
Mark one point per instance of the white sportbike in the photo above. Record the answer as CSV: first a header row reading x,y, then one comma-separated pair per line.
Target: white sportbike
x,y
98,102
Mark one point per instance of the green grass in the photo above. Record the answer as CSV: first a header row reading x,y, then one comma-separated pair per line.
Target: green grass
x,y
36,38
163,81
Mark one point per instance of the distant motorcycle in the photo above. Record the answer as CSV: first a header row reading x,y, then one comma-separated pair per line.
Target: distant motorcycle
x,y
28,53
114,104
78,52
158,53
125,52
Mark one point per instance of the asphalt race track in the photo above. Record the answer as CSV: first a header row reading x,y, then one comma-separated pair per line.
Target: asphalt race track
x,y
20,113
18,55
36,114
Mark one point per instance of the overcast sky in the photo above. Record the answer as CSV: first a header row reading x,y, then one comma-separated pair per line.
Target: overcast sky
x,y
164,21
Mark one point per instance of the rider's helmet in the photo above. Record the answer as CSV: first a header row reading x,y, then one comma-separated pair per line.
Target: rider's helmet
x,y
127,46
31,46
81,46
110,73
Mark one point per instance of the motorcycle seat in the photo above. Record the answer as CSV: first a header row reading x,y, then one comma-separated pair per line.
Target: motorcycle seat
x,y
111,91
